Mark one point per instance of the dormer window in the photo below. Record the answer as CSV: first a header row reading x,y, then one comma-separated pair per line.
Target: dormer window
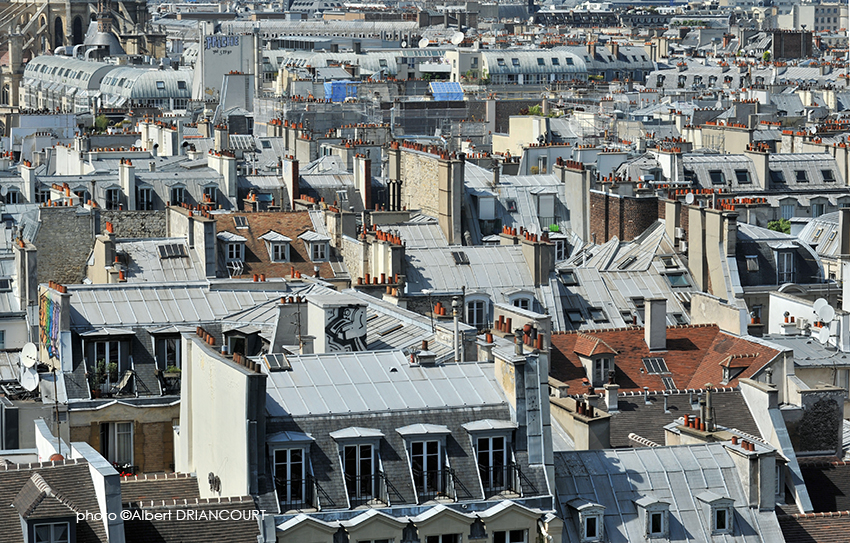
x,y
316,245
601,366
719,511
234,246
654,515
426,445
277,245
590,517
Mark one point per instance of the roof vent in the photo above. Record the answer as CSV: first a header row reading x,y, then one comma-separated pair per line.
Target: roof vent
x,y
426,357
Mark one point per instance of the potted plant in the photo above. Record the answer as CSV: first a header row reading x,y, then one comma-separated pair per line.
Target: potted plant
x,y
112,370
98,378
171,372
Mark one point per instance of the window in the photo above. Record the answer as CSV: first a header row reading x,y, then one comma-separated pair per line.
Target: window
x,y
655,366
785,267
598,315
476,311
591,528
359,469
289,475
601,367
818,209
168,353
445,538
13,197
828,176
680,319
743,177
717,177
42,195
556,61
144,199
280,252
575,316
514,536
500,61
541,62
113,198
319,252
178,195
210,194
522,303
787,210
426,462
234,251
677,280
801,176
160,85
560,249
57,532
492,462
721,519
777,177
240,222
181,85
568,278
752,263
116,442
515,61
569,61
656,524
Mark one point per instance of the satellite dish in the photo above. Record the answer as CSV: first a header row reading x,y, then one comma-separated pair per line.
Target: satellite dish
x,y
826,313
819,304
689,199
823,335
4,190
457,37
29,355
29,378
424,42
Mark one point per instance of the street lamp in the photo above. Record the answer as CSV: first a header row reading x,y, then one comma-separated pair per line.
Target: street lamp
x,y
429,292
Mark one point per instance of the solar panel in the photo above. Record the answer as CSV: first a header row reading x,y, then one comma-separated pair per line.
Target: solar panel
x,y
460,257
277,362
668,383
655,366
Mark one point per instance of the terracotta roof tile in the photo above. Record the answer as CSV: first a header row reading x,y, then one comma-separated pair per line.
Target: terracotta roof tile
x,y
257,260
693,357
587,345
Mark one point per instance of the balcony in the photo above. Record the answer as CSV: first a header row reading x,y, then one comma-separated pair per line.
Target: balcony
x,y
301,494
439,485
371,490
504,481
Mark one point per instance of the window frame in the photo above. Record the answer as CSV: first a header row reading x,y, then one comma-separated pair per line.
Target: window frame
x,y
237,255
144,198
291,494
318,251
475,308
52,526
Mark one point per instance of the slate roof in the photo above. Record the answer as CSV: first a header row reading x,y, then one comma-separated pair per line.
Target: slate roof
x,y
256,257
828,484
616,478
144,262
158,487
763,243
69,479
168,530
648,419
815,527
693,357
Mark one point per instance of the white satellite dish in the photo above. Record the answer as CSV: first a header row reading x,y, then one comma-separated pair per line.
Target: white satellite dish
x,y
4,190
29,355
823,335
826,313
424,42
819,303
29,378
689,199
457,37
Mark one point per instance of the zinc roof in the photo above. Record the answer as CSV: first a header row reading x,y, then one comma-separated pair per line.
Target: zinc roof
x,y
361,382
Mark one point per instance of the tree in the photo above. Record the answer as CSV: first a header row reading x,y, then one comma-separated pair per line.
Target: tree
x,y
101,123
782,225
766,56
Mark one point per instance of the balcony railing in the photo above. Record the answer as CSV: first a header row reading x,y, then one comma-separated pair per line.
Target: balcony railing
x,y
301,494
503,479
370,489
437,484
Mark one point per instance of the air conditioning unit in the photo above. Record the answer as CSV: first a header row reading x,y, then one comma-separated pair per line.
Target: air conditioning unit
x,y
680,232
683,246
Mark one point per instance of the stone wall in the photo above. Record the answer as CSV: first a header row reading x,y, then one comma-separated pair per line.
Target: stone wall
x,y
132,224
353,254
419,174
621,216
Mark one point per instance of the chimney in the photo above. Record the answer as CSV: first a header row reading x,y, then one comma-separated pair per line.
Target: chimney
x,y
363,179
844,232
26,281
337,322
225,164
204,128
760,158
612,405
655,327
221,138
127,180
290,179
27,171
539,254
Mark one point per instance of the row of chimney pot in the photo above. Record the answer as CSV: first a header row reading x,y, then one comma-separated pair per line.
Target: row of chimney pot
x,y
291,300
383,280
584,409
392,291
207,337
386,236
440,309
746,445
57,287
504,324
243,361
694,422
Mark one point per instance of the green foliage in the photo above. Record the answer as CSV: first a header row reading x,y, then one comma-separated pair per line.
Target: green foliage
x,y
535,110
172,369
766,56
782,225
101,123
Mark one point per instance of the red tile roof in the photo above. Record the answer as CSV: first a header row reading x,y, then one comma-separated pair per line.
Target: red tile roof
x,y
257,260
587,345
694,355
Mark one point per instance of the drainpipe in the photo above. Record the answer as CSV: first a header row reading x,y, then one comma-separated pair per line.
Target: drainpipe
x,y
455,304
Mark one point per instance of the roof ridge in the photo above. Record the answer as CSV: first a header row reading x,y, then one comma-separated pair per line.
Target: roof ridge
x,y
827,514
36,465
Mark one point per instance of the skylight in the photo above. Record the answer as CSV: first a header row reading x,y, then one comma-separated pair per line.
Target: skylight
x,y
171,250
240,221
655,366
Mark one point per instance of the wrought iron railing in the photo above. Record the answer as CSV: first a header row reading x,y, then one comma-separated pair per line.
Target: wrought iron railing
x,y
296,494
504,478
375,487
442,483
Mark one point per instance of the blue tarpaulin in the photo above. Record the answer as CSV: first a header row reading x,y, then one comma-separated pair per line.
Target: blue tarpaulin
x,y
338,91
446,90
